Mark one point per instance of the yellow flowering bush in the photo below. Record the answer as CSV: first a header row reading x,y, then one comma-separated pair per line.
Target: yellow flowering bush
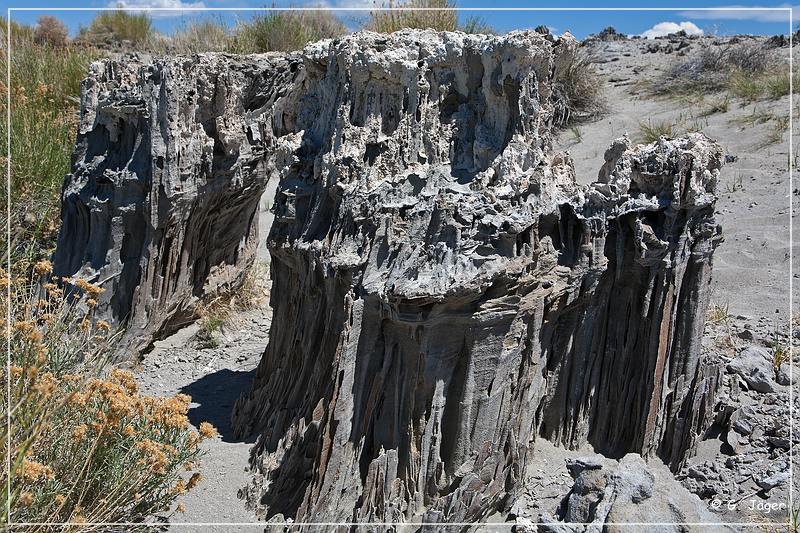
x,y
86,446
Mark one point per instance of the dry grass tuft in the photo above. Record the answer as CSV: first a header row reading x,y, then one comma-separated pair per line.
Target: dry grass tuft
x,y
200,36
445,18
780,353
285,31
221,311
651,131
578,91
439,15
718,313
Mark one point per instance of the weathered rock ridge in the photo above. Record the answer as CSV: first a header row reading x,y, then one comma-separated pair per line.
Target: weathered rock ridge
x,y
444,292
171,158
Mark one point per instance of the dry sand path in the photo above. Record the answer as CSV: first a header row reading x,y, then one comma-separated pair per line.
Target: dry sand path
x,y
214,378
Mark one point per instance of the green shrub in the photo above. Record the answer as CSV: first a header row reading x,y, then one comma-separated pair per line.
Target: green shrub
x,y
777,84
283,31
651,131
744,85
111,28
45,85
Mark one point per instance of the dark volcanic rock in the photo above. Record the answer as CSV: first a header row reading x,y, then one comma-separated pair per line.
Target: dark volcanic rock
x,y
608,34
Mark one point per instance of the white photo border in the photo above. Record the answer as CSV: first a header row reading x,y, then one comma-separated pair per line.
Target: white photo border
x,y
263,524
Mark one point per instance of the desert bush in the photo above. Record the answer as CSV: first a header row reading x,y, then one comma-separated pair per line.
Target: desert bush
x,y
747,71
443,17
45,84
51,32
201,36
85,445
577,91
111,28
710,69
283,31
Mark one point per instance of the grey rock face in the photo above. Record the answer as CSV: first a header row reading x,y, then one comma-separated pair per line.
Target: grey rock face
x,y
629,492
171,159
445,292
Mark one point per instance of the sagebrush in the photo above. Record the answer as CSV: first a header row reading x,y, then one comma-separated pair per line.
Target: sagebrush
x,y
85,445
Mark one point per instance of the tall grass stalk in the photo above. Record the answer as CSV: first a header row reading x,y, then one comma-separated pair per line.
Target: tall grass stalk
x,y
45,85
284,31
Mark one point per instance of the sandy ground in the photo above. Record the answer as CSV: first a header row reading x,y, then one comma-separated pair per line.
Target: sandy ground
x,y
214,378
751,274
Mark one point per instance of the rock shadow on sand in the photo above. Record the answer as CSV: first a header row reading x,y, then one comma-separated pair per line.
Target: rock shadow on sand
x,y
213,398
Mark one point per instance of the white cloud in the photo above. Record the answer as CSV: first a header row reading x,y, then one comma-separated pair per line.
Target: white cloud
x,y
359,4
340,4
738,12
665,28
158,4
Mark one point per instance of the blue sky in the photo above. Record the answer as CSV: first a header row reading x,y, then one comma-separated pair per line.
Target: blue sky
x,y
580,23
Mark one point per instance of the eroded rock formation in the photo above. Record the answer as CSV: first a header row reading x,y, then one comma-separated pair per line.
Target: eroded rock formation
x,y
444,292
171,159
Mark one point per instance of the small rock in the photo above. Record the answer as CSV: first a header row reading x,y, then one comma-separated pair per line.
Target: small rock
x,y
742,420
754,365
775,480
782,376
696,472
